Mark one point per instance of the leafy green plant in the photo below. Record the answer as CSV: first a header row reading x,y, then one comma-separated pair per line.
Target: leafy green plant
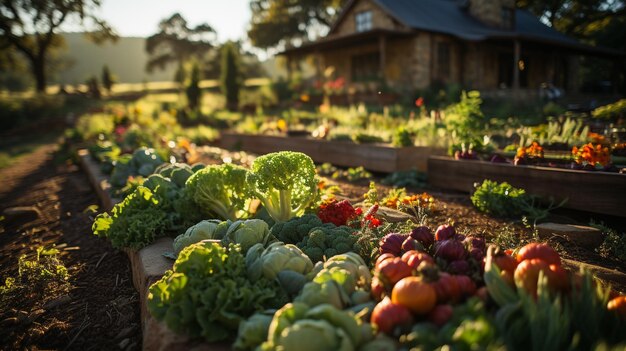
x,y
612,110
499,199
39,277
504,200
614,245
404,179
402,137
208,294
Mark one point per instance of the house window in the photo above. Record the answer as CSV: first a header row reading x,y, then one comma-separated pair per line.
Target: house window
x,y
363,21
365,67
508,17
443,61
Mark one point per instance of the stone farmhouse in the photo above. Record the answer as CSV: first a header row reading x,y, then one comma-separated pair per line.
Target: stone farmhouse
x,y
479,44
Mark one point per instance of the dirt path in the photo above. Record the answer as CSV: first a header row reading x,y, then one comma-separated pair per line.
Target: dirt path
x,y
101,311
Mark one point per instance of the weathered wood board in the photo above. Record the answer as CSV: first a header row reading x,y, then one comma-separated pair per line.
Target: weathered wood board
x,y
374,157
597,192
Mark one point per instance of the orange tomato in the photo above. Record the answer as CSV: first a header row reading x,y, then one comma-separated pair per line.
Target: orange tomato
x,y
414,294
618,305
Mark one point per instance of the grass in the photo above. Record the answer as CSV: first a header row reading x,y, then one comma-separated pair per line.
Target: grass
x,y
10,153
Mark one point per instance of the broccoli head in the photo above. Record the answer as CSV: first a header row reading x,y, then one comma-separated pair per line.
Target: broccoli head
x,y
220,190
328,241
285,182
295,229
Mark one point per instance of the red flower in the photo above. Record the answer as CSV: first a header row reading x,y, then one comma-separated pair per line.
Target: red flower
x,y
419,102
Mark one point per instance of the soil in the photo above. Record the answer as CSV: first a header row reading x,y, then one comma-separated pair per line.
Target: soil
x,y
100,310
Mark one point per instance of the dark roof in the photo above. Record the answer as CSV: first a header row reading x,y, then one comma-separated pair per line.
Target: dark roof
x,y
452,18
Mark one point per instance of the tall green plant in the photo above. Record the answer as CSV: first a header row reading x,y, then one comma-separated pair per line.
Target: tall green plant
x,y
107,79
194,93
231,75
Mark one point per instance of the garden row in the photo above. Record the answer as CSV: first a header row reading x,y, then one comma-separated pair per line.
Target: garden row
x,y
597,192
274,262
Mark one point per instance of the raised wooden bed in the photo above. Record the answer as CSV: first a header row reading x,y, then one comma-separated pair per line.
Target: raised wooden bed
x,y
374,157
598,192
147,265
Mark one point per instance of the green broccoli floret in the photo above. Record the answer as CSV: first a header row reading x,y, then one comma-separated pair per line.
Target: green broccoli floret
x,y
285,182
317,237
295,229
220,190
315,253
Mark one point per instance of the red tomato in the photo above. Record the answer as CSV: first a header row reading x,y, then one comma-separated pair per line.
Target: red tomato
x,y
541,251
383,257
392,270
414,258
527,274
440,315
447,288
378,289
466,284
415,294
387,316
505,262
618,305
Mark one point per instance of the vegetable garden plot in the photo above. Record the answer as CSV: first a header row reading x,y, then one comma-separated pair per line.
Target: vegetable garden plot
x,y
425,289
374,157
598,192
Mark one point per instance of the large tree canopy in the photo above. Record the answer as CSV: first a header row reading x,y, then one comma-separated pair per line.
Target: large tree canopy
x,y
31,27
279,22
176,42
594,21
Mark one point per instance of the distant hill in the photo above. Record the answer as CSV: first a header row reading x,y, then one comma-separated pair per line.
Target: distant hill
x,y
126,59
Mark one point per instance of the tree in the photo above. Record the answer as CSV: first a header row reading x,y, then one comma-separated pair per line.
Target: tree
x,y
31,27
107,79
595,22
176,42
278,22
193,89
230,78
179,75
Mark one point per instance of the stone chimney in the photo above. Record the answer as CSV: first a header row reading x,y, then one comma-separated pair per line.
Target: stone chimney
x,y
495,13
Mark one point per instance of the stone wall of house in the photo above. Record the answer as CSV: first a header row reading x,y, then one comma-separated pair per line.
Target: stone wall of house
x,y
489,11
398,68
398,62
380,19
341,59
421,57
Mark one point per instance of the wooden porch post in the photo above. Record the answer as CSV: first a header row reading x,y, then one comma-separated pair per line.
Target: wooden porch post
x,y
516,58
382,50
289,72
318,64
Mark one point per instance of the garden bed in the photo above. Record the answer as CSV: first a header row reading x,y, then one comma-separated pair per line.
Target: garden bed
x,y
597,192
149,264
374,157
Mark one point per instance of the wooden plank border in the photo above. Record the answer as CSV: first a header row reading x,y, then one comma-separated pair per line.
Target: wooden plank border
x,y
374,157
597,192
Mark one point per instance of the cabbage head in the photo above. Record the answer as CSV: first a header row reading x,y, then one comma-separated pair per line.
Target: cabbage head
x,y
277,257
296,326
253,332
248,233
201,231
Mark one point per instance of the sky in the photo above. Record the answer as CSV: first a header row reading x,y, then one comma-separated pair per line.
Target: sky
x,y
140,18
